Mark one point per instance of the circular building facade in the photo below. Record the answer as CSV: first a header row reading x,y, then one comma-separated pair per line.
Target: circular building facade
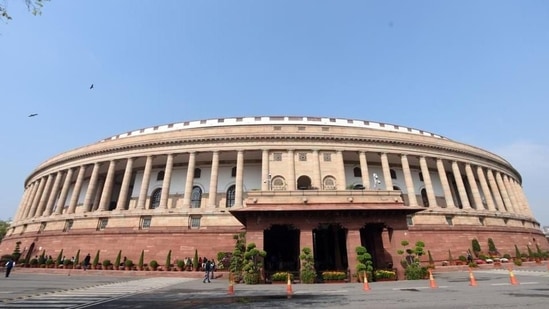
x,y
329,184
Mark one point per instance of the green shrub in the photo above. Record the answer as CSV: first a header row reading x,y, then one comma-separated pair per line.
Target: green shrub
x,y
334,275
153,264
308,272
281,276
106,262
128,263
415,272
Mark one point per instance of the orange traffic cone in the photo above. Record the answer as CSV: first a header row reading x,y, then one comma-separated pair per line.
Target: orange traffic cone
x,y
432,282
366,286
473,281
289,291
512,277
231,285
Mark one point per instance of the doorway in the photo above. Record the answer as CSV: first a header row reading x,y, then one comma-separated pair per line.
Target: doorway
x,y
281,242
330,247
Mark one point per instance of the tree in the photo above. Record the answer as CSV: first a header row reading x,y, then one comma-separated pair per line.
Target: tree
x,y
308,272
4,225
34,6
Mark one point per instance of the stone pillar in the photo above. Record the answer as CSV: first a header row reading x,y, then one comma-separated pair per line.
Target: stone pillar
x,y
265,172
53,194
291,171
412,198
485,189
22,205
76,190
364,170
511,193
520,203
524,200
474,188
90,192
445,185
165,193
503,192
126,180
212,199
106,193
37,197
64,192
495,191
44,198
305,239
189,181
428,182
460,186
341,182
97,194
239,186
387,180
316,176
353,241
28,202
141,201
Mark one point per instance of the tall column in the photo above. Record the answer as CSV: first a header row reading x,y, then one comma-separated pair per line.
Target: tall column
x,y
189,181
518,198
145,184
316,181
239,188
341,182
53,194
90,192
44,198
412,198
22,205
97,194
445,185
511,193
165,193
387,180
291,170
37,197
460,186
64,192
28,200
428,182
106,193
265,171
485,189
474,188
77,187
524,200
503,192
126,180
364,170
495,191
212,199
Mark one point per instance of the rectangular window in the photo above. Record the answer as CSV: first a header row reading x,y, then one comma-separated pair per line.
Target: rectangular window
x,y
277,156
42,227
300,128
481,220
450,220
302,156
409,220
23,229
102,224
194,222
327,156
420,176
68,225
277,128
145,222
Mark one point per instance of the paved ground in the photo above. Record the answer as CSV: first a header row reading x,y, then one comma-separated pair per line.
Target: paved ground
x,y
493,289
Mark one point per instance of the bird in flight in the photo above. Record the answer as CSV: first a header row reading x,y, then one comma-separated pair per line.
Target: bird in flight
x,y
91,87
32,115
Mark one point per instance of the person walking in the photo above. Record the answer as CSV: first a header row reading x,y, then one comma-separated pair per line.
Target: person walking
x,y
9,265
207,270
87,261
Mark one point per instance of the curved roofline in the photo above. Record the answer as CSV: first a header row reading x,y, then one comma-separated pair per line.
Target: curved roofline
x,y
274,120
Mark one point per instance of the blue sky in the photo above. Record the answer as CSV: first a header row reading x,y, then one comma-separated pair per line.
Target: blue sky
x,y
473,71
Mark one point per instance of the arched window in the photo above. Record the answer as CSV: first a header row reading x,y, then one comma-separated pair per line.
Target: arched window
x,y
196,197
155,198
393,174
424,198
229,201
233,171
304,183
160,176
329,183
357,172
278,183
197,172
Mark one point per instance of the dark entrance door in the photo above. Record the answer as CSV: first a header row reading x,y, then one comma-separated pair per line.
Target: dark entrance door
x,y
281,242
370,237
330,247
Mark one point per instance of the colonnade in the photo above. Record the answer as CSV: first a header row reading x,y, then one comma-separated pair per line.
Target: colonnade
x,y
485,188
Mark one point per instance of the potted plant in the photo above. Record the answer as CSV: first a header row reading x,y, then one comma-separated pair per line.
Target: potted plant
x,y
252,265
180,265
308,272
107,264
364,265
128,265
334,276
154,265
385,275
281,277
